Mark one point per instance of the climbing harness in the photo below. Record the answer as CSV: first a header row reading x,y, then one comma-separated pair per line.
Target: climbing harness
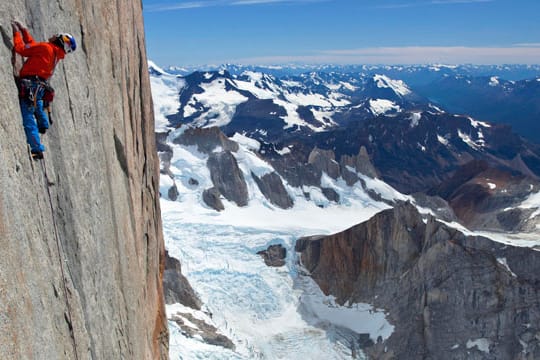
x,y
33,88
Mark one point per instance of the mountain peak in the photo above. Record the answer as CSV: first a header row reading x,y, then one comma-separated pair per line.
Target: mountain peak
x,y
398,86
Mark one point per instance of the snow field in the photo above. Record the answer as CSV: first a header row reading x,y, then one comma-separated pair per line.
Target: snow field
x,y
256,306
165,88
382,106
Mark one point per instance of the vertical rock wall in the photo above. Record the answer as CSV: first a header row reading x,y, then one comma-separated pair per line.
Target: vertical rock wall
x,y
81,247
449,296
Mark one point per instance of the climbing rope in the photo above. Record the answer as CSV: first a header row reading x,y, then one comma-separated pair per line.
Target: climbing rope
x,y
60,249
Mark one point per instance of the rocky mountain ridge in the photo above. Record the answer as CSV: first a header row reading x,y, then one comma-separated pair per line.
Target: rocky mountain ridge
x,y
449,295
491,98
339,125
403,133
230,181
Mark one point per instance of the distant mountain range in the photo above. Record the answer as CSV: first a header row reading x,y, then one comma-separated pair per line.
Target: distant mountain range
x,y
240,138
412,74
490,98
413,143
506,94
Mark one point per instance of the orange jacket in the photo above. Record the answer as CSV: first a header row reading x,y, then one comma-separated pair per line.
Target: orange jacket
x,y
42,56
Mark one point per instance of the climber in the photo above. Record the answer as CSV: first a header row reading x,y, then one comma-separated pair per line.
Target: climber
x,y
32,82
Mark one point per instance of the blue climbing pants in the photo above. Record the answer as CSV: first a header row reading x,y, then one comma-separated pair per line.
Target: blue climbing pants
x,y
34,117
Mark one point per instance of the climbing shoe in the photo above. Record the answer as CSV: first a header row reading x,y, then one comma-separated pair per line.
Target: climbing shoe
x,y
42,130
36,155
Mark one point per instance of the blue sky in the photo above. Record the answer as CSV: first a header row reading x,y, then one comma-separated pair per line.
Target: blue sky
x,y
197,32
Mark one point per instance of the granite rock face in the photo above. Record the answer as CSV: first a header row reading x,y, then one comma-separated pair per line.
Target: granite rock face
x,y
485,197
449,296
227,177
211,197
206,139
273,189
274,255
323,161
361,163
82,252
195,327
175,285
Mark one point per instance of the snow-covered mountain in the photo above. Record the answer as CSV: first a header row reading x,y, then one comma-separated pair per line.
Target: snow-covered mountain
x,y
493,98
257,103
252,160
341,112
411,74
497,93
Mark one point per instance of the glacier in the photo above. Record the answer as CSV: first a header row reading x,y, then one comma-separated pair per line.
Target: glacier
x,y
268,313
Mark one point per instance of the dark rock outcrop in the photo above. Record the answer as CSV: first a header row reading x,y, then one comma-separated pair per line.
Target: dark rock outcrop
x,y
206,139
438,205
349,176
299,174
274,256
486,197
172,193
227,177
175,285
82,253
361,163
165,153
211,197
324,161
444,291
273,189
330,194
208,333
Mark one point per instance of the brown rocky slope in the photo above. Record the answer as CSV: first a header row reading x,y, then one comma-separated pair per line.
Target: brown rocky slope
x,y
449,296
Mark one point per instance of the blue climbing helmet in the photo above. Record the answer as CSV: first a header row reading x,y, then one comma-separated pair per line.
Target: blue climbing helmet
x,y
67,42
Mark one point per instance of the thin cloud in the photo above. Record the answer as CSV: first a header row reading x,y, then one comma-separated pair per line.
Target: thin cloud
x,y
411,55
256,2
528,45
214,3
433,2
179,6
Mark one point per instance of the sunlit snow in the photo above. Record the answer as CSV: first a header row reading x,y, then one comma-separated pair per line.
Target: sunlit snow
x,y
382,106
481,344
442,140
532,202
221,104
247,142
398,86
467,140
476,123
415,118
165,89
494,81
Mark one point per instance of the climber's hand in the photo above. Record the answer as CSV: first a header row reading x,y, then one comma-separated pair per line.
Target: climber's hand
x,y
19,25
14,27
